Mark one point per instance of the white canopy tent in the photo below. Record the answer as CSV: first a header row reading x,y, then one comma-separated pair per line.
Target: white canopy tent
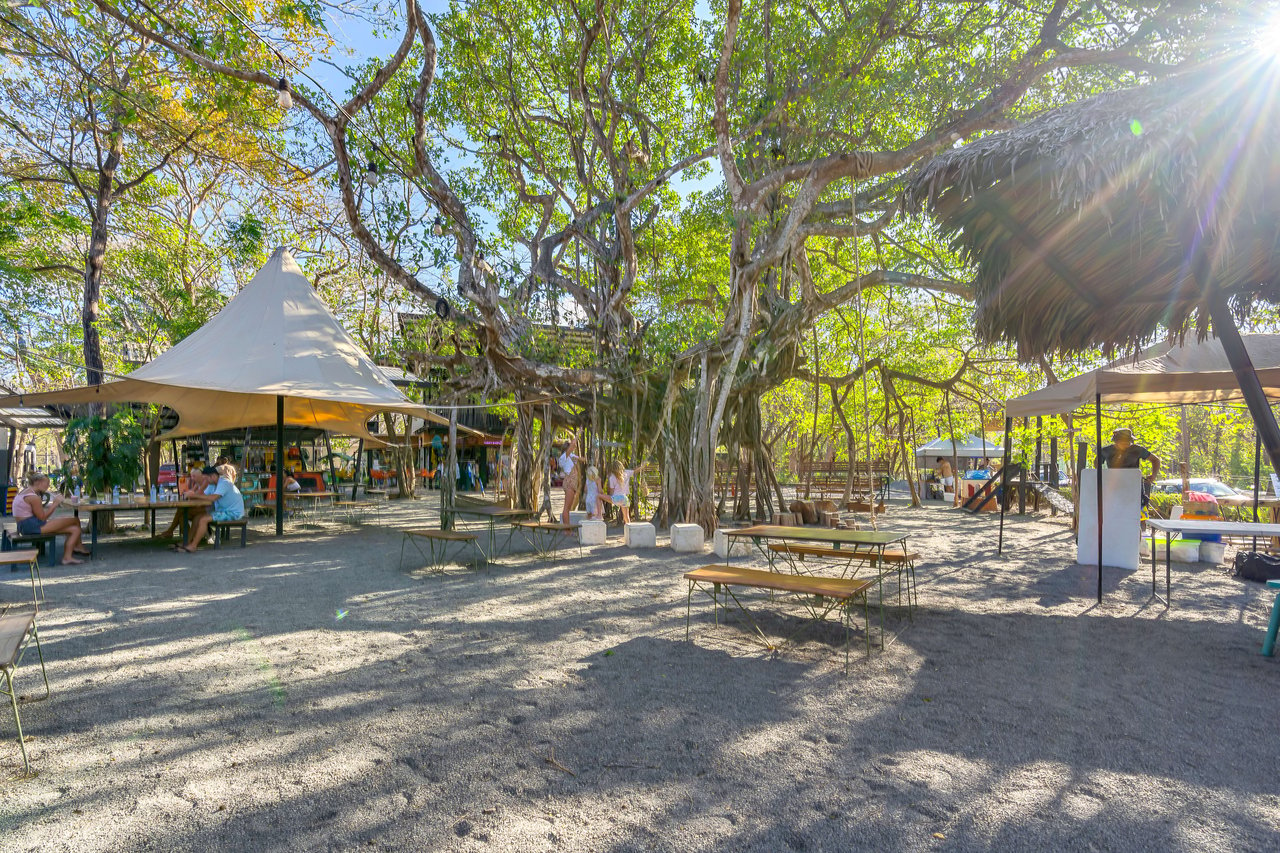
x,y
966,447
273,356
1168,373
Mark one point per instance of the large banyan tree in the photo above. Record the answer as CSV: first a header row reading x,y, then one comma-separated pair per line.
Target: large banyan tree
x,y
513,164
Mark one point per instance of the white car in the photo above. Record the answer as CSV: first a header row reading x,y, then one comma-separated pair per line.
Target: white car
x,y
1198,484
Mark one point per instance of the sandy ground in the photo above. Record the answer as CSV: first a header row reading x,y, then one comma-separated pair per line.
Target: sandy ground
x,y
309,694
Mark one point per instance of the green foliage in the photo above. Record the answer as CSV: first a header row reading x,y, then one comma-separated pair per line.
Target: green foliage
x,y
109,449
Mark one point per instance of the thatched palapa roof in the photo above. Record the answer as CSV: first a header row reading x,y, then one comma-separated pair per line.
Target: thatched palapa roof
x,y
1100,222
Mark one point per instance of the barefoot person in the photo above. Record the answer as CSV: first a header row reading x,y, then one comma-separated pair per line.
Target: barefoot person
x,y
620,487
226,504
570,465
197,485
35,518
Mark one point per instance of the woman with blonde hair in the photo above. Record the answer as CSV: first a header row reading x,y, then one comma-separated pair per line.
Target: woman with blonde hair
x,y
35,518
570,466
620,487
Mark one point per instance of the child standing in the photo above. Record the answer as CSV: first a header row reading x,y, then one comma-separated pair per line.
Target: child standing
x,y
620,486
594,501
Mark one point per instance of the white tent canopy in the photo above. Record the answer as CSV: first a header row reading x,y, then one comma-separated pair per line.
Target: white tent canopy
x,y
276,338
1170,373
966,447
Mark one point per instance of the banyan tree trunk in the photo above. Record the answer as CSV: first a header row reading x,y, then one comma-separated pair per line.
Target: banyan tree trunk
x,y
527,470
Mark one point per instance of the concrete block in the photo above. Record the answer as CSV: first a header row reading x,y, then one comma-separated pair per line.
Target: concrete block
x,y
577,516
687,538
591,533
726,547
640,534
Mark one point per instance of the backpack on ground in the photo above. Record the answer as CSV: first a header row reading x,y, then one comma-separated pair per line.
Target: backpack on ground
x,y
1256,566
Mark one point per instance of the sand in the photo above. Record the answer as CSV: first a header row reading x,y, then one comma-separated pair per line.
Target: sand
x,y
309,694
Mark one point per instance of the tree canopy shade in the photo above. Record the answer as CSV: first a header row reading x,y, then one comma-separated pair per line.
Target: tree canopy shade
x,y
1102,222
275,339
1197,372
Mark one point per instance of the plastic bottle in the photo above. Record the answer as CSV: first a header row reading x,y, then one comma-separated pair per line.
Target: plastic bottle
x,y
153,493
115,494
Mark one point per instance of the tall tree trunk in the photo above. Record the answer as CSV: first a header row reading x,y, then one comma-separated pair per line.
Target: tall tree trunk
x,y
94,260
526,476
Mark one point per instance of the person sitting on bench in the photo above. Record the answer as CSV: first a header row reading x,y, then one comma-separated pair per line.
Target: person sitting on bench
x,y
226,500
36,519
197,485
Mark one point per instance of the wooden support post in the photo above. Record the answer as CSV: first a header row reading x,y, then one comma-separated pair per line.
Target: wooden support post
x,y
1053,468
1004,480
1022,479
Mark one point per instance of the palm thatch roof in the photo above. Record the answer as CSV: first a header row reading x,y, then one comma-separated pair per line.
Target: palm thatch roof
x,y
1102,222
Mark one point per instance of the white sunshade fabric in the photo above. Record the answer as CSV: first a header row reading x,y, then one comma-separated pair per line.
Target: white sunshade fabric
x,y
275,338
965,446
1171,373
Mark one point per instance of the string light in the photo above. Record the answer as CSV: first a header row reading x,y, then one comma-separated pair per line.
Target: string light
x,y
371,175
285,99
437,227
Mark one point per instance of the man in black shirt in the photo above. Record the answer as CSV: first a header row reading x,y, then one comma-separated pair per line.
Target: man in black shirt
x,y
1123,453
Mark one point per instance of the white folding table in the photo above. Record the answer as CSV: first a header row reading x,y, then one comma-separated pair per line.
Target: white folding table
x,y
1180,525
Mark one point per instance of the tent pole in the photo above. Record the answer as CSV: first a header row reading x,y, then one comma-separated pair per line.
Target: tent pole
x,y
279,465
355,469
1264,420
1004,479
333,472
1097,434
1257,477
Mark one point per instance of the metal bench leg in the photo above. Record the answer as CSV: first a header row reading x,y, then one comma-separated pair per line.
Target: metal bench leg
x,y
17,719
1269,644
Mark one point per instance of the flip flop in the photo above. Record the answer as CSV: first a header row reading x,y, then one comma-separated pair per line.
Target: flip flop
x,y
82,553
72,562
189,550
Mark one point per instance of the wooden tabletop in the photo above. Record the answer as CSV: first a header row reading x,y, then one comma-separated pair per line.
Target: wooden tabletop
x,y
135,505
818,534
449,535
545,525
292,495
12,558
490,512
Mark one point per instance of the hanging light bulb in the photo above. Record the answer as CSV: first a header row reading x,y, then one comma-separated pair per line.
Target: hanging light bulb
x,y
284,98
371,174
437,227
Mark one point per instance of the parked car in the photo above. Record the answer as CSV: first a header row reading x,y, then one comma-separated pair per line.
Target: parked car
x,y
1198,484
167,476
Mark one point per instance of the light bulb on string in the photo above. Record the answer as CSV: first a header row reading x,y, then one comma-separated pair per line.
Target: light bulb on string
x,y
284,98
371,174
437,227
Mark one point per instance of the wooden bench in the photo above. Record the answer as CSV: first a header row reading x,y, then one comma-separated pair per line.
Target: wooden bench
x,y
831,593
31,560
222,530
38,541
438,542
17,631
890,561
544,536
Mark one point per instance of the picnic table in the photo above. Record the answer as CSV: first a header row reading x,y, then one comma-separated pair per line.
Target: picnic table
x,y
1169,527
492,516
853,547
144,506
316,499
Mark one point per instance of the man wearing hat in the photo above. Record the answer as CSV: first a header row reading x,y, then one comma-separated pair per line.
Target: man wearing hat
x,y
1123,453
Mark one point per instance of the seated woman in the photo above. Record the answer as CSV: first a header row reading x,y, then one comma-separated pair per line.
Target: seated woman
x,y
291,486
35,518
